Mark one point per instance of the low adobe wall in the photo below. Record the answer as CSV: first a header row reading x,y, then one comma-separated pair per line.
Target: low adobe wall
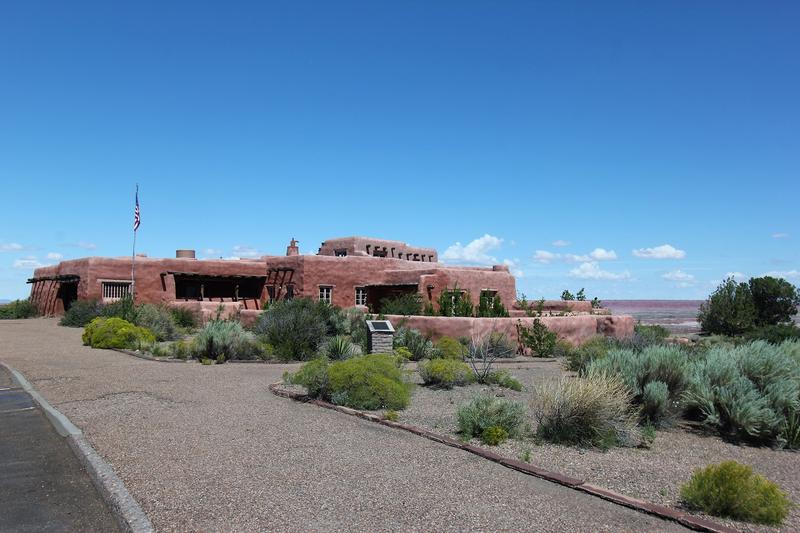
x,y
205,311
573,329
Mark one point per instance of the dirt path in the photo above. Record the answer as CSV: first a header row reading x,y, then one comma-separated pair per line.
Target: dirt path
x,y
209,448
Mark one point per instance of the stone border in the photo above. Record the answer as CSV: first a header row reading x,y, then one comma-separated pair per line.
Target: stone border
x,y
692,522
126,510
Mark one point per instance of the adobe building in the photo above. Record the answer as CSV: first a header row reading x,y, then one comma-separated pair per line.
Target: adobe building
x,y
347,272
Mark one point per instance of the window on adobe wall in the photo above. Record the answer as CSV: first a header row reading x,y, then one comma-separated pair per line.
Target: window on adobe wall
x,y
326,294
114,290
361,296
380,252
340,253
489,296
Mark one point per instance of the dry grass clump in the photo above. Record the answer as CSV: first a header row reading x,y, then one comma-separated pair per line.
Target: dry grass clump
x,y
592,411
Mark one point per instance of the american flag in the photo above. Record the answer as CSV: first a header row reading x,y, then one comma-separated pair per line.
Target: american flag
x,y
137,219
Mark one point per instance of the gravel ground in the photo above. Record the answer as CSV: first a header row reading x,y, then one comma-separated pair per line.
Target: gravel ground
x,y
208,448
653,474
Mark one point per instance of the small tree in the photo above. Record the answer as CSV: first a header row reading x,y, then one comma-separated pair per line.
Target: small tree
x,y
540,340
567,296
775,300
455,302
729,310
581,296
491,305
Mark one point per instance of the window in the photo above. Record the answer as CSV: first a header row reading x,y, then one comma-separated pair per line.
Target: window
x,y
361,296
326,294
489,295
114,290
340,253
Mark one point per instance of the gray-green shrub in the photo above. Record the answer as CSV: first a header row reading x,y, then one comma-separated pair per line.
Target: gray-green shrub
x,y
340,347
483,412
18,309
158,319
592,411
221,340
81,313
297,328
445,373
420,346
750,391
667,366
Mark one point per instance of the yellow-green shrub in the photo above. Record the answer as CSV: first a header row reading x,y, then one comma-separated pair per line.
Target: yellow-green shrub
x,y
445,373
733,490
116,333
450,348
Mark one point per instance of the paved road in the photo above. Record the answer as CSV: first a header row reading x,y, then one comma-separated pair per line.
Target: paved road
x,y
43,487
209,448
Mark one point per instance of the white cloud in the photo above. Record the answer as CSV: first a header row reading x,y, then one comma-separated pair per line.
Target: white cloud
x,y
55,256
476,251
514,267
680,276
212,252
11,247
82,244
780,235
247,252
665,251
592,270
736,275
543,256
574,258
787,274
560,243
601,254
28,263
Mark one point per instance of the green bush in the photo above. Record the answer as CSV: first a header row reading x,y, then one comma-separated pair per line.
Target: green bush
x,y
540,340
18,309
297,328
115,332
503,378
445,373
370,382
157,319
667,366
592,411
184,318
491,305
595,348
494,435
729,310
80,313
122,308
450,348
420,346
751,391
483,412
455,302
733,490
651,333
406,304
222,340
774,334
775,300
313,375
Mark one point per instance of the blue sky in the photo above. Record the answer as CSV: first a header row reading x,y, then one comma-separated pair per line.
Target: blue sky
x,y
640,150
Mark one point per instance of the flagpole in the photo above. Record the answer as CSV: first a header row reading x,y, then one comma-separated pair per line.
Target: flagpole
x,y
133,253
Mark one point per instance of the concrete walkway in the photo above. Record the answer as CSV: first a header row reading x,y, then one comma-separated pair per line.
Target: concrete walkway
x,y
43,487
209,448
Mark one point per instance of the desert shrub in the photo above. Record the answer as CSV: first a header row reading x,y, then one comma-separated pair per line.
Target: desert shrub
x,y
503,378
340,347
563,348
729,310
580,357
122,308
355,326
18,309
666,366
592,411
482,352
774,334
494,435
540,340
222,340
499,344
420,346
567,296
651,333
297,328
391,415
405,304
483,412
81,313
371,382
450,348
115,332
445,373
491,305
403,353
184,318
157,319
732,490
751,391
313,375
